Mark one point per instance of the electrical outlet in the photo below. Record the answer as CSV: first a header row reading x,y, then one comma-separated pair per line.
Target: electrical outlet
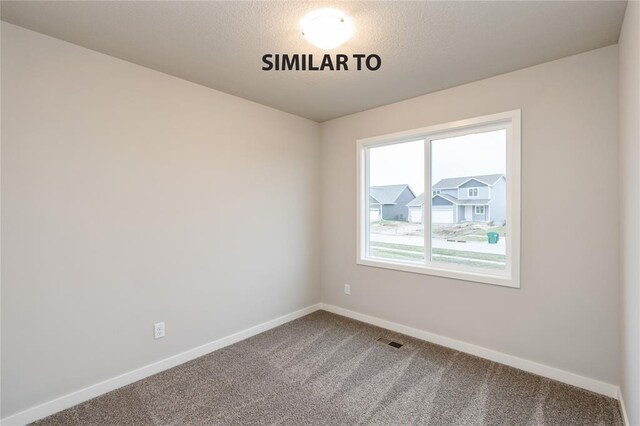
x,y
158,330
347,289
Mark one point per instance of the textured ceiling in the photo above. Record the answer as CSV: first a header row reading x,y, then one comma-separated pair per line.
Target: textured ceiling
x,y
425,46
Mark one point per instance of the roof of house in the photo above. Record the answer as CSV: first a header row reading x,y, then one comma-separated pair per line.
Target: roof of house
x,y
388,194
450,198
416,202
455,182
469,202
419,200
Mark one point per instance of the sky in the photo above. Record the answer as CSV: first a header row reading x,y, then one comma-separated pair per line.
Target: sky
x,y
476,154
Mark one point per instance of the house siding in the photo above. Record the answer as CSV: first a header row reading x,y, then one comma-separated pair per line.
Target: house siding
x,y
498,204
398,211
483,191
439,201
479,217
472,184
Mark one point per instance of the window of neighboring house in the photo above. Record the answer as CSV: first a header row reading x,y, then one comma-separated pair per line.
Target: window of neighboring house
x,y
398,168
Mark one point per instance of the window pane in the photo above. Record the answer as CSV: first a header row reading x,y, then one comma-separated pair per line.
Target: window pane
x,y
468,225
396,199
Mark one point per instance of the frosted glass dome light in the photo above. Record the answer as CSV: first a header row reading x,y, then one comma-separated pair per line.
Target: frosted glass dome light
x,y
326,28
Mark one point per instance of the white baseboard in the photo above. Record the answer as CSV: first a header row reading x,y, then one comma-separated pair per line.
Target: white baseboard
x,y
623,409
77,397
499,357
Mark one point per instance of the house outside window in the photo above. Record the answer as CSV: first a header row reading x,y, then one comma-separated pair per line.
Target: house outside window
x,y
449,235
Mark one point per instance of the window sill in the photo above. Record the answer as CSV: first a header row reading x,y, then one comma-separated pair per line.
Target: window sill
x,y
504,281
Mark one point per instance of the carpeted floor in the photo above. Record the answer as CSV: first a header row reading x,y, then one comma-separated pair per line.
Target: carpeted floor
x,y
324,369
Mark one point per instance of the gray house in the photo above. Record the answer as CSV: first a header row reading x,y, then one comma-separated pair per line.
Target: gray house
x,y
464,199
389,202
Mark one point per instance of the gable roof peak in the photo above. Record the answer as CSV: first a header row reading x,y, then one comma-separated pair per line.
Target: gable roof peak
x,y
388,194
455,182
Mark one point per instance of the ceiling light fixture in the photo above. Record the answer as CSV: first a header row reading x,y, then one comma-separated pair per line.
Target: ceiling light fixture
x,y
326,28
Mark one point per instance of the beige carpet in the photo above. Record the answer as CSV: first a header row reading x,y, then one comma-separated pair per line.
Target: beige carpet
x,y
324,369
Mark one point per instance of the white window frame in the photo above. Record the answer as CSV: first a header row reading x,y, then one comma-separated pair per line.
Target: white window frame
x,y
510,276
472,193
478,209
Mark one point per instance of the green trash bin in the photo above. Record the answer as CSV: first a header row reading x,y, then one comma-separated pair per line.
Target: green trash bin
x,y
493,237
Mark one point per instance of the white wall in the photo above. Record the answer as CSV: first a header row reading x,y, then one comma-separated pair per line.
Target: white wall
x,y
131,197
630,208
566,314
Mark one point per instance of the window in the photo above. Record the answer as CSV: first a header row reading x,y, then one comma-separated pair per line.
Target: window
x,y
445,235
396,178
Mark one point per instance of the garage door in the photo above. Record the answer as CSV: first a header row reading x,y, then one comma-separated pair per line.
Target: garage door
x,y
442,215
415,215
374,215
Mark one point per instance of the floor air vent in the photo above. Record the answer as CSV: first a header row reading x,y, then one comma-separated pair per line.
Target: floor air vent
x,y
388,342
